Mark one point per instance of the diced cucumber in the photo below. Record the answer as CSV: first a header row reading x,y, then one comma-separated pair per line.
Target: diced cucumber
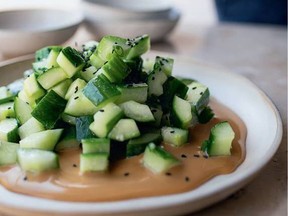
x,y
220,140
24,97
9,130
45,140
135,92
139,46
44,52
198,95
22,110
82,127
105,119
96,145
137,111
7,99
158,160
49,109
155,82
67,140
172,87
88,73
32,88
115,69
164,64
105,49
39,67
29,127
51,58
79,105
62,87
125,129
5,95
8,153
94,162
52,77
89,48
181,114
137,146
76,86
100,91
35,160
148,65
205,115
70,60
7,110
174,136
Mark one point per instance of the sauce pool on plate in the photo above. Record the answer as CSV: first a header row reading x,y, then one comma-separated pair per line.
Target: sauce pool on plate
x,y
128,179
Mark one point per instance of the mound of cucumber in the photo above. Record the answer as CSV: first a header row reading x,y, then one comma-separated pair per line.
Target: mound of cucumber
x,y
110,100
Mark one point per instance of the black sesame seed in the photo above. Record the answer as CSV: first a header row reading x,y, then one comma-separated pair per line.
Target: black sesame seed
x,y
153,78
183,156
153,110
126,174
8,117
76,98
101,110
9,108
168,173
27,103
172,131
187,179
25,178
205,156
74,165
194,88
196,155
201,93
76,89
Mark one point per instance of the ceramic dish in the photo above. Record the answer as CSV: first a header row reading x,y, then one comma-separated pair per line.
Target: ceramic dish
x,y
157,28
239,94
24,31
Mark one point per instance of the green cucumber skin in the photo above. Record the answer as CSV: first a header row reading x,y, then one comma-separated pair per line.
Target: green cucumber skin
x,y
137,146
9,130
139,46
164,64
172,87
181,113
136,92
100,91
138,112
7,99
130,130
73,56
49,109
136,74
82,127
44,52
218,144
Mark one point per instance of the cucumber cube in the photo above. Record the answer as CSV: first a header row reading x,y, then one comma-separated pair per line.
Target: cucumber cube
x,y
95,145
7,110
125,129
67,140
9,130
32,88
62,87
29,127
158,160
51,77
82,127
35,160
22,110
8,153
76,86
94,162
135,92
164,64
105,119
137,111
45,140
49,109
220,140
71,61
174,136
101,91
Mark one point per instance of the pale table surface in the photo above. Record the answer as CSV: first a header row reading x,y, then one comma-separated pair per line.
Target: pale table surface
x,y
260,54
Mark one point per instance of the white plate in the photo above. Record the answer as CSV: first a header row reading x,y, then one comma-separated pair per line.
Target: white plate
x,y
239,94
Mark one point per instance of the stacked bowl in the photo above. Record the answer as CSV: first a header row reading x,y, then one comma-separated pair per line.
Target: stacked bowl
x,y
130,18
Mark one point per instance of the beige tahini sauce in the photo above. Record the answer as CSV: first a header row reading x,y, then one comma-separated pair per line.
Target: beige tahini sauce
x,y
128,178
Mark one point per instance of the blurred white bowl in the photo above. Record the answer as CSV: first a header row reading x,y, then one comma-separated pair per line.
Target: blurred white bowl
x,y
158,26
126,9
25,31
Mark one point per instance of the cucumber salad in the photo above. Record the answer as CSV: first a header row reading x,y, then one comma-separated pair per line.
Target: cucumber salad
x,y
108,101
